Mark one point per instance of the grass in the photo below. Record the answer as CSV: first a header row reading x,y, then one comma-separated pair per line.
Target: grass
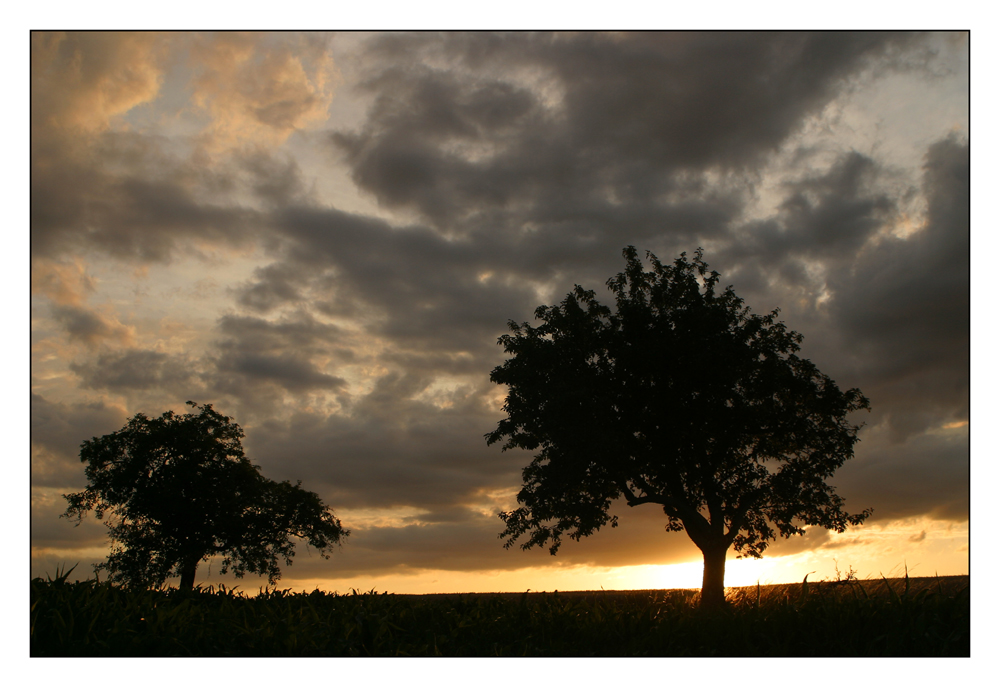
x,y
905,617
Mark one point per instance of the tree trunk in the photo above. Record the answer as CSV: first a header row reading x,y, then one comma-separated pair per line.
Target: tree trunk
x,y
713,579
187,573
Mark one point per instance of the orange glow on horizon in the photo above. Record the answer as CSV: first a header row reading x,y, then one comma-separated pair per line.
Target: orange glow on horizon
x,y
920,547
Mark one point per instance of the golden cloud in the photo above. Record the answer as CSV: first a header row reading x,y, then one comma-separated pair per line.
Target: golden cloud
x,y
64,283
260,87
82,80
92,327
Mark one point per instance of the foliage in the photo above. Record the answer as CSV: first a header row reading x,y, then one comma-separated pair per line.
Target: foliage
x,y
178,489
679,397
870,618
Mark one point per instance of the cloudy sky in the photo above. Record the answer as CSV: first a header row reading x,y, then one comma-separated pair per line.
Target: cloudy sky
x,y
324,235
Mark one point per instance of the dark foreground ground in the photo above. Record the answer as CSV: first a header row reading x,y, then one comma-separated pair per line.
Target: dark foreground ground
x,y
897,617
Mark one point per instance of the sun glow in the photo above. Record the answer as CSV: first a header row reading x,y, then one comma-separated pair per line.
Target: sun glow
x,y
739,573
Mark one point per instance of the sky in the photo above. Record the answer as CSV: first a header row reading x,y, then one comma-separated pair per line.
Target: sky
x,y
323,235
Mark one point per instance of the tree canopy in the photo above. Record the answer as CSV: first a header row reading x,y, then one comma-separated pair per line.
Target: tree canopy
x,y
178,490
680,397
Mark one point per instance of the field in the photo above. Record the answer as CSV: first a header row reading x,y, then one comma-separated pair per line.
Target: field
x,y
897,617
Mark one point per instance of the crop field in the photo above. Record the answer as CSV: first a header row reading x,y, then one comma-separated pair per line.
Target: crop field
x,y
896,617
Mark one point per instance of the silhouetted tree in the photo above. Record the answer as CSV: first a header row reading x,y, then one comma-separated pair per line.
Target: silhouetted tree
x,y
680,397
179,490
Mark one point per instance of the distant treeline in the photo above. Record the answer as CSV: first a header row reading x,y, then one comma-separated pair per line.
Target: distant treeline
x,y
901,617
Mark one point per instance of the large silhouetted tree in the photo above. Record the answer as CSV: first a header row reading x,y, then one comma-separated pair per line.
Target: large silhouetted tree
x,y
178,490
679,397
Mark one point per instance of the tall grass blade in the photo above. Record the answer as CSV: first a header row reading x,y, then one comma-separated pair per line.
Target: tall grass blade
x,y
805,587
892,592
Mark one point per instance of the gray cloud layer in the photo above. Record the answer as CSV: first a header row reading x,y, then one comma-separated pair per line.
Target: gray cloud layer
x,y
518,165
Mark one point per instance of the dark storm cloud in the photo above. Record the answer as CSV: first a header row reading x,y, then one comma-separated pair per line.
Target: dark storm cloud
x,y
167,211
399,445
283,353
432,297
86,325
298,331
926,475
273,286
827,217
609,120
539,157
129,197
902,309
823,222
399,155
135,369
289,371
49,530
410,285
705,99
275,181
835,214
58,429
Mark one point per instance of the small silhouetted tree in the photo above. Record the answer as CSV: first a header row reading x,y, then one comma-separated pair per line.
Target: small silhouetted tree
x,y
680,397
178,490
